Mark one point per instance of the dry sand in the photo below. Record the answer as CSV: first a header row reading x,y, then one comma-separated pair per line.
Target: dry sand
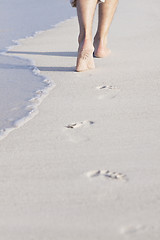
x,y
54,182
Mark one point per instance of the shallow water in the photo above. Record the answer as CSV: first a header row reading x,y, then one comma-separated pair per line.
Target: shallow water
x,y
18,83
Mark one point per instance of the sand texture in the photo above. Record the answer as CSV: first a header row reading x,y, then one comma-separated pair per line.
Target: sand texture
x,y
87,166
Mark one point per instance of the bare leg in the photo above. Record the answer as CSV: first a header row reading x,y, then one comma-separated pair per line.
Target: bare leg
x,y
85,12
106,14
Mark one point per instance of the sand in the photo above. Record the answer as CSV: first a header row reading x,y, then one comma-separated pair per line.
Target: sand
x,y
18,84
87,166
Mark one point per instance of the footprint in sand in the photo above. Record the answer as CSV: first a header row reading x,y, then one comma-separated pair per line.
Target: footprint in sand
x,y
78,136
79,124
106,174
107,91
133,229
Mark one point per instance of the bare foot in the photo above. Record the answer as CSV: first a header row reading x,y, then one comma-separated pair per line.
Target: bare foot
x,y
100,48
85,56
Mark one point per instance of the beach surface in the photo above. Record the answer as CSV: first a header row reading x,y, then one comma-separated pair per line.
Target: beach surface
x,y
20,82
86,167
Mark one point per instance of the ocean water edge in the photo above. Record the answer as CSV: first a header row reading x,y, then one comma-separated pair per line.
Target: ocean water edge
x,y
22,87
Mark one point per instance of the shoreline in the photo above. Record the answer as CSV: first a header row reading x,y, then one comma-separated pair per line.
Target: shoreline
x,y
40,94
19,83
87,165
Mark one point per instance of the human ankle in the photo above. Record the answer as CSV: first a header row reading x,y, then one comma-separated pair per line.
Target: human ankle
x,y
86,44
84,37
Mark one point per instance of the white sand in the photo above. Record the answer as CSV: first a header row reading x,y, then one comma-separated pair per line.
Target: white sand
x,y
47,187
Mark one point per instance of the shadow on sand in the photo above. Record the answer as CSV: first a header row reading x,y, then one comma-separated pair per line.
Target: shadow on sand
x,y
45,69
52,69
59,54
